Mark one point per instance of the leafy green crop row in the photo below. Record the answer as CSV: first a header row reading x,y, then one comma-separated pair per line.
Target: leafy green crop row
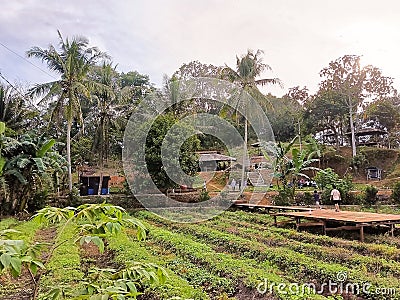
x,y
297,264
252,220
247,270
340,255
7,223
129,251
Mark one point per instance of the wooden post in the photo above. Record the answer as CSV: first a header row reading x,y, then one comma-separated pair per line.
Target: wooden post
x,y
392,229
297,223
275,223
324,227
362,233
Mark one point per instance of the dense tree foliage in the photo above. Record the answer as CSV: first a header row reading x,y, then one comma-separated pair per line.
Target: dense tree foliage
x,y
283,117
355,84
15,111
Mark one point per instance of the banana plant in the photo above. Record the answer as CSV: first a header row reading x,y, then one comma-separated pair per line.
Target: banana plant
x,y
25,163
291,163
94,223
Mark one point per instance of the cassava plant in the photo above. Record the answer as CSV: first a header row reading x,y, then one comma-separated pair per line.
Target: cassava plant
x,y
94,222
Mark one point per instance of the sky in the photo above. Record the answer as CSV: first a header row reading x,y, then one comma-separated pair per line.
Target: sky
x,y
155,37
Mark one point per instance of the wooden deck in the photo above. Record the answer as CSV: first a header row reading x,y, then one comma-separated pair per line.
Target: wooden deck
x,y
347,220
275,208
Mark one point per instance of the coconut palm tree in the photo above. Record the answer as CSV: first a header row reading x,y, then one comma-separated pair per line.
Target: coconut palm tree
x,y
248,68
72,61
15,112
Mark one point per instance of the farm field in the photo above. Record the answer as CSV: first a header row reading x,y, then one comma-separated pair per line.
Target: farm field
x,y
237,255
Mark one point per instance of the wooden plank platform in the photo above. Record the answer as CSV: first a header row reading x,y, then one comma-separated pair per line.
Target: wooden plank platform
x,y
269,208
348,220
345,216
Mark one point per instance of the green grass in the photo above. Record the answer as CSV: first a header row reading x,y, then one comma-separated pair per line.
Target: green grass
x,y
7,223
64,267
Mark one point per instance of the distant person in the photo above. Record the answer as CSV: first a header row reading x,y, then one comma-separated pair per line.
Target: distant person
x,y
336,197
317,199
204,186
233,184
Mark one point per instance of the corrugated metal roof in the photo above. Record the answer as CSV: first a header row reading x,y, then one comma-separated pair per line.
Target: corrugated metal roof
x,y
215,157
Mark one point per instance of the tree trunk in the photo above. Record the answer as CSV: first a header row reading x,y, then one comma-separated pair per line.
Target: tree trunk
x,y
298,122
353,135
101,155
69,125
242,185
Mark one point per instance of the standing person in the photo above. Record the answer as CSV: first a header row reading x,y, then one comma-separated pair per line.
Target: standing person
x,y
336,197
316,199
204,186
233,184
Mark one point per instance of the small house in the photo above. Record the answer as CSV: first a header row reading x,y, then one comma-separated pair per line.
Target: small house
x,y
214,161
373,173
90,183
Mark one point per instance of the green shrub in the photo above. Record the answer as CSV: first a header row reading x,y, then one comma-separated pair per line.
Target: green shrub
x,y
38,201
304,198
204,196
370,193
396,192
355,199
327,178
283,197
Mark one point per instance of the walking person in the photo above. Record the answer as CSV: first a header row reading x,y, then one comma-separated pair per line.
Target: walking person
x,y
336,197
205,186
317,199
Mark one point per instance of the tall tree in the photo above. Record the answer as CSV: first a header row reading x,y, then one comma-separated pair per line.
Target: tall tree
x,y
248,69
197,69
325,115
72,61
347,77
103,111
298,96
283,117
384,114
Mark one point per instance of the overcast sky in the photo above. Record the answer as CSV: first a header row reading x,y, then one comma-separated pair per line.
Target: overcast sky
x,y
155,37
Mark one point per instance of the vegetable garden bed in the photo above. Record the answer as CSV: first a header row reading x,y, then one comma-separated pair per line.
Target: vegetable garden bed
x,y
237,255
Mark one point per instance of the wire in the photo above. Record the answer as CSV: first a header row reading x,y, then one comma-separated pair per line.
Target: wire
x,y
9,83
21,94
20,56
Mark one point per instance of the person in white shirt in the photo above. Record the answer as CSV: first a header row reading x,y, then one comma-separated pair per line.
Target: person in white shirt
x,y
336,197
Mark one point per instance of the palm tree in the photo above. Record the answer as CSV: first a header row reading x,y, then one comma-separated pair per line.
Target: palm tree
x,y
104,111
15,112
72,62
248,68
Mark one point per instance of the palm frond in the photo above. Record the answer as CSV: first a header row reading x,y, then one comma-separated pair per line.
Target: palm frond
x,y
269,81
49,88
